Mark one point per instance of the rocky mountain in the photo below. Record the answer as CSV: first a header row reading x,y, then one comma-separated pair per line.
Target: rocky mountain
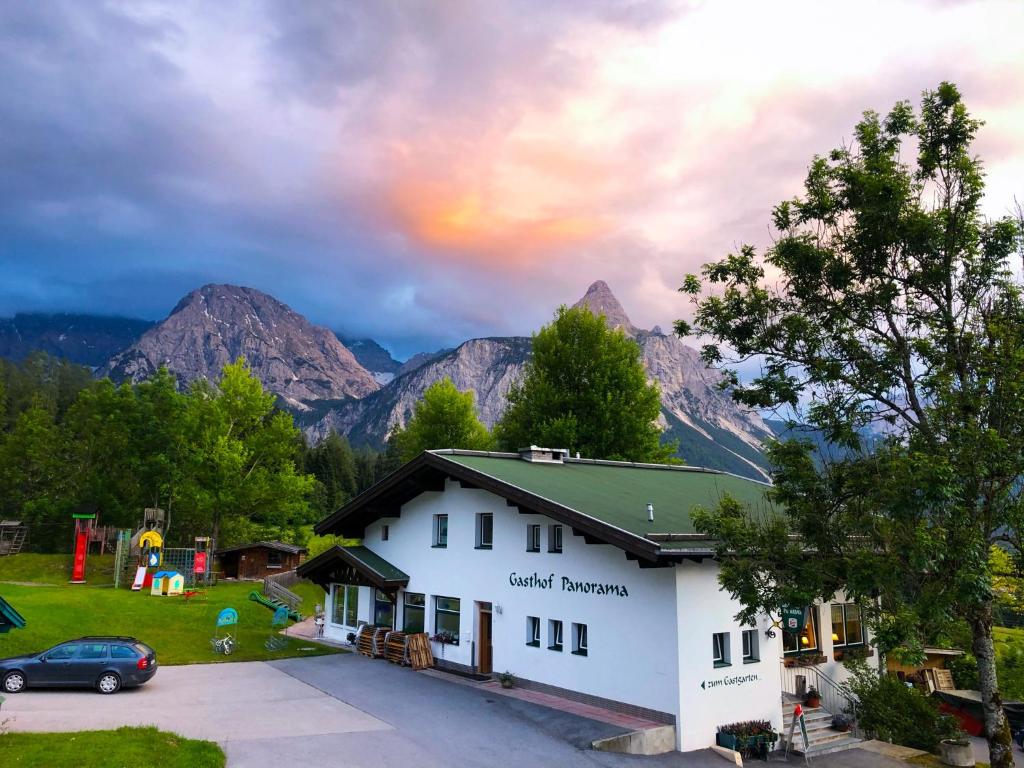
x,y
710,428
373,357
600,300
216,324
84,339
421,359
489,367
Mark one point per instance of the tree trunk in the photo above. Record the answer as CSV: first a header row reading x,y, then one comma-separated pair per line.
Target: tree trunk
x,y
997,728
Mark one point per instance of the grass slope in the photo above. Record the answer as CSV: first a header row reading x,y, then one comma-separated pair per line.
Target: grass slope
x,y
54,569
122,748
179,631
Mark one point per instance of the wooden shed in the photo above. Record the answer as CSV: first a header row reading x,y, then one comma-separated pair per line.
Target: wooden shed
x,y
258,559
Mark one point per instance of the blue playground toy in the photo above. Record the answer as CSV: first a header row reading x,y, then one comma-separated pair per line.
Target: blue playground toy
x,y
225,643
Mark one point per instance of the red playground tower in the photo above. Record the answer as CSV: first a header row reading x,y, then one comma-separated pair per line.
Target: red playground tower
x,y
85,520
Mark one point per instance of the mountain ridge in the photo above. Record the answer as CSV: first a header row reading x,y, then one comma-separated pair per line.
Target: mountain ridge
x,y
214,325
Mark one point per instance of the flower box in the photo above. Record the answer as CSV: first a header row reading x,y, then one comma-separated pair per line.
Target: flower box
x,y
739,737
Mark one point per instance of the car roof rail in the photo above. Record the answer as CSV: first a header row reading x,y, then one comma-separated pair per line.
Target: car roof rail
x,y
106,638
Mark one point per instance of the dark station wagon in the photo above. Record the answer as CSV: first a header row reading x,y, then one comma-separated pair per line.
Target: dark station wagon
x,y
107,664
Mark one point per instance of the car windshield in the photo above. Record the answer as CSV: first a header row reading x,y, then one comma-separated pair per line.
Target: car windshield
x,y
144,649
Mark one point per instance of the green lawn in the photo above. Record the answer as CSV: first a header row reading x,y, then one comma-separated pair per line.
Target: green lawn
x,y
54,569
123,748
179,631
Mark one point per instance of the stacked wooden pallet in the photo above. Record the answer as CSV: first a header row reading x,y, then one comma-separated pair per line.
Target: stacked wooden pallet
x,y
380,636
395,648
364,639
420,655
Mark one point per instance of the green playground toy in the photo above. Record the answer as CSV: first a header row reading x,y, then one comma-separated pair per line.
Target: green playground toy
x,y
274,605
9,618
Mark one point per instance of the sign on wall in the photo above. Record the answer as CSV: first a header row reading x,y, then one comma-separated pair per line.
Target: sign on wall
x,y
566,584
794,619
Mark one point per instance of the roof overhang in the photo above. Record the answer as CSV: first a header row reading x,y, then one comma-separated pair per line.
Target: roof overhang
x,y
352,565
429,471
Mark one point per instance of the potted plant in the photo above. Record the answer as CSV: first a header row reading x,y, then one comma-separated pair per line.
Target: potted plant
x,y
813,698
841,722
507,679
956,752
750,738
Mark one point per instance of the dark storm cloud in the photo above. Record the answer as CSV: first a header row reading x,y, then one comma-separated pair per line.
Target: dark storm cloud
x,y
427,171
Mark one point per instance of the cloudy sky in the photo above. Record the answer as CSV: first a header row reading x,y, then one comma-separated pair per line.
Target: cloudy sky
x,y
424,172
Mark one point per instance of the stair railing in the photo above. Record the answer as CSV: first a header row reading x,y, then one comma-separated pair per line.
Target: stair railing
x,y
275,591
835,699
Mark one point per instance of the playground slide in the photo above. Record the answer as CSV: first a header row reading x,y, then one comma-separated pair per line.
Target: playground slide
x,y
81,549
140,576
274,605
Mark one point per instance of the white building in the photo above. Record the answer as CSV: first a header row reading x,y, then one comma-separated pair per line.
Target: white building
x,y
581,577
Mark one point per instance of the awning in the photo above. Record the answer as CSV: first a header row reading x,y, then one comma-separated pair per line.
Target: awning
x,y
353,565
9,618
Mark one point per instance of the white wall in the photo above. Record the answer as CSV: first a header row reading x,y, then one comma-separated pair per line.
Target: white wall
x,y
639,627
651,649
729,694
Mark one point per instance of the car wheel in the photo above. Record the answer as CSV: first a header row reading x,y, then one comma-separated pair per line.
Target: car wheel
x,y
14,682
109,682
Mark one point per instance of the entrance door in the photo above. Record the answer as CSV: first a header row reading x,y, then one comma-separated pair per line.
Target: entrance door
x,y
483,663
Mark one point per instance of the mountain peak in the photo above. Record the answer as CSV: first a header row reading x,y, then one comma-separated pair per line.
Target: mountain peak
x,y
600,300
218,323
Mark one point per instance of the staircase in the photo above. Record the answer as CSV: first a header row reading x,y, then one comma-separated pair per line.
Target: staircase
x,y
822,738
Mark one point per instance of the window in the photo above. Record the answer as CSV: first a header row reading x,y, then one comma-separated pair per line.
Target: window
x,y
385,532
123,652
345,604
412,615
63,652
554,538
533,538
93,651
554,635
484,530
533,631
579,639
446,618
806,639
273,558
750,649
720,649
440,530
847,627
383,610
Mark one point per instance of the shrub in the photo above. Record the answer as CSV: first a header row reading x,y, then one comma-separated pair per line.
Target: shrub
x,y
889,710
965,672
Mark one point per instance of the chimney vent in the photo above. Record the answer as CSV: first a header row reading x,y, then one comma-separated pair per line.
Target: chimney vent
x,y
543,455
650,512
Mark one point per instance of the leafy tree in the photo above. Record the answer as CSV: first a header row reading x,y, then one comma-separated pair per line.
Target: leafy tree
x,y
443,418
241,458
890,299
32,485
585,389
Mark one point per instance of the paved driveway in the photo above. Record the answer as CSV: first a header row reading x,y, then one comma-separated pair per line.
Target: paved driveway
x,y
354,712
220,702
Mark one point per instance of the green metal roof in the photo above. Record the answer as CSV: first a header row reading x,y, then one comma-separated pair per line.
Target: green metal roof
x,y
10,618
374,562
617,493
